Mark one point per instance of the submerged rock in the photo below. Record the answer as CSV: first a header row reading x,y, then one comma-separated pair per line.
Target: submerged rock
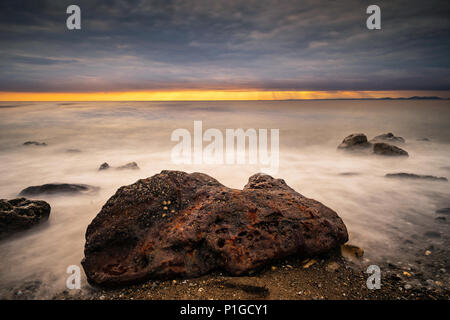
x,y
385,149
443,211
21,214
349,174
387,137
176,224
73,151
355,141
35,143
58,188
432,234
104,166
131,165
128,166
403,175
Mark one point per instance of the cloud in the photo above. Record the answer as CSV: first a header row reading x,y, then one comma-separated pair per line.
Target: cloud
x,y
259,44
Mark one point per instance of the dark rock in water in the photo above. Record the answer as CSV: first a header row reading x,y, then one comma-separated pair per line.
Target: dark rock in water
x,y
423,139
355,141
104,166
131,165
440,218
21,214
73,150
34,143
403,175
58,188
349,174
128,166
432,234
385,149
387,137
176,224
443,211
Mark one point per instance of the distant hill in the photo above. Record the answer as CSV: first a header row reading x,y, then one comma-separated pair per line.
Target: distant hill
x,y
384,98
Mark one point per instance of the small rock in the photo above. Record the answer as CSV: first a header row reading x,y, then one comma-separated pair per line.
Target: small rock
x,y
387,137
403,175
58,188
131,165
443,211
355,141
408,286
21,214
385,149
432,234
351,251
35,143
332,266
103,166
309,264
427,253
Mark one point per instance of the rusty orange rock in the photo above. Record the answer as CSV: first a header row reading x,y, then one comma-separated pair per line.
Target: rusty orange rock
x,y
176,224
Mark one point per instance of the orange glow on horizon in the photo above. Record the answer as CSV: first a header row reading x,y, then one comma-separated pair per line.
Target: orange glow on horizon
x,y
209,95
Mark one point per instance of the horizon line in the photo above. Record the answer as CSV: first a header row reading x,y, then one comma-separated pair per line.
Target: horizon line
x,y
220,95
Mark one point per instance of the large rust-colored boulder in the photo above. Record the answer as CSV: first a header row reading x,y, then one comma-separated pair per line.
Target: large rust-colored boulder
x,y
176,224
21,214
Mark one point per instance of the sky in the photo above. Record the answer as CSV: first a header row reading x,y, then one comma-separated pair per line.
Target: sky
x,y
222,49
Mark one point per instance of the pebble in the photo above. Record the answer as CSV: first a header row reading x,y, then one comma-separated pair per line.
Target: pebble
x,y
332,266
427,253
309,264
408,286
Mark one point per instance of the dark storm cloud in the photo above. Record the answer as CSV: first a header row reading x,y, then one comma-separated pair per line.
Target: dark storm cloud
x,y
217,44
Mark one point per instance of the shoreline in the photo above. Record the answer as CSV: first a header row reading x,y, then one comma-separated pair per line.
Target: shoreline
x,y
327,277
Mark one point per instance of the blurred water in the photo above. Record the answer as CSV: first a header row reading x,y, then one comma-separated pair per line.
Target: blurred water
x,y
380,213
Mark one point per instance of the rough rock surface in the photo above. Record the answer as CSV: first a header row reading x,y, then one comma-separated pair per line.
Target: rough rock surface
x,y
21,214
355,141
385,149
403,175
388,137
58,188
176,224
